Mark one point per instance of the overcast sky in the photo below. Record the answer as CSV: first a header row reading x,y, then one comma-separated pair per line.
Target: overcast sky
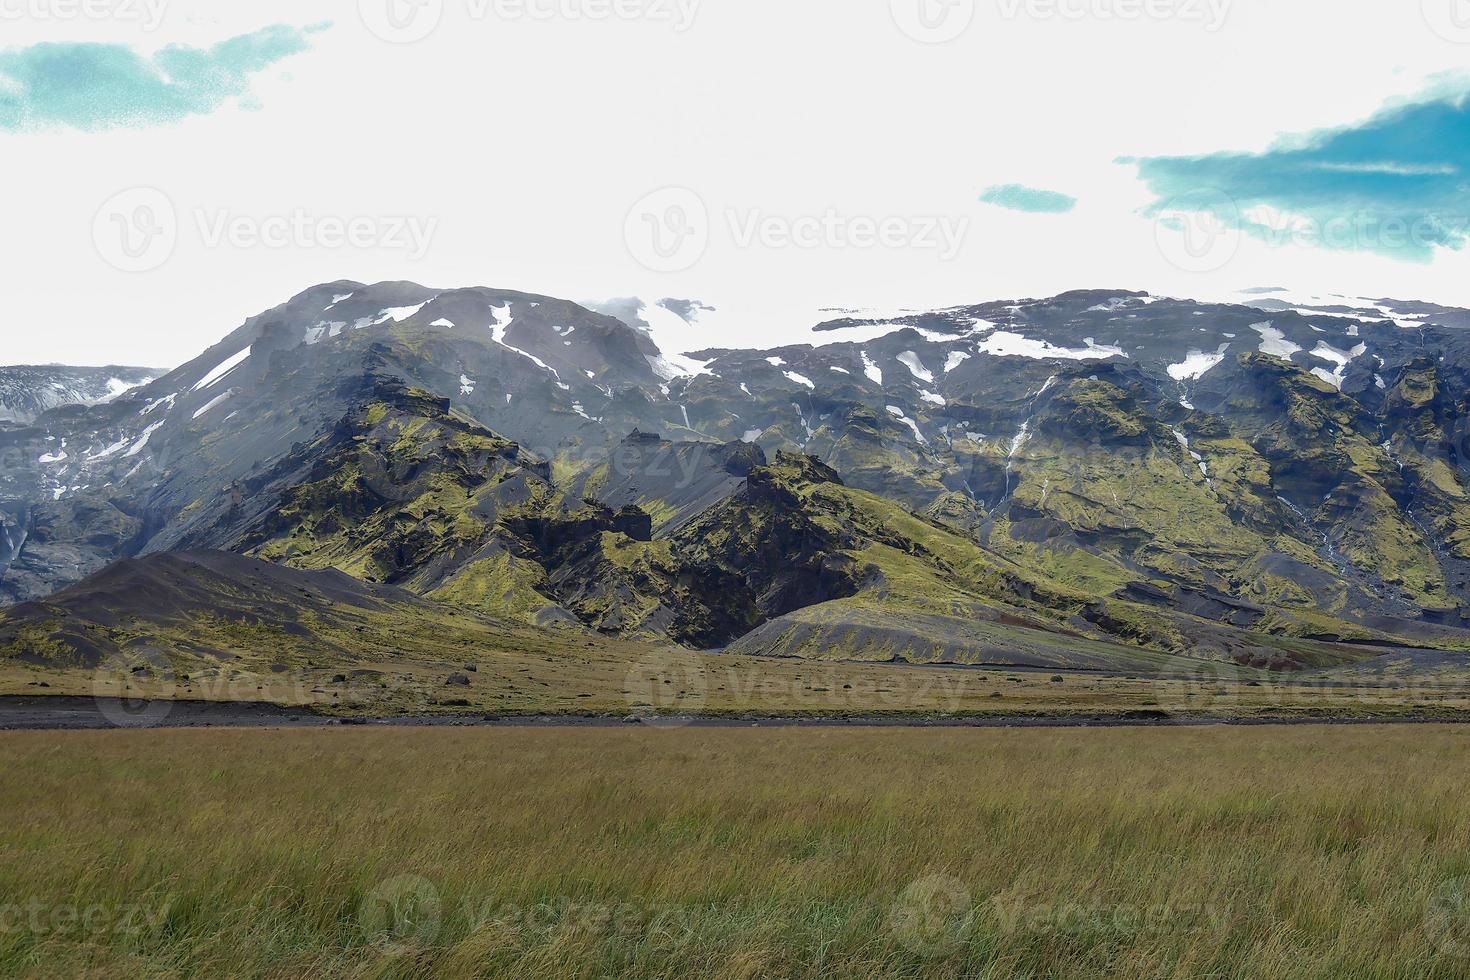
x,y
173,167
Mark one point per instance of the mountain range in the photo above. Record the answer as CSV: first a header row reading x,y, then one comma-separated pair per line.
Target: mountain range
x,y
28,392
1102,479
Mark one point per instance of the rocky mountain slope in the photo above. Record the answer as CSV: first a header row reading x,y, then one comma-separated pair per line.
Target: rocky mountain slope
x,y
1086,479
27,392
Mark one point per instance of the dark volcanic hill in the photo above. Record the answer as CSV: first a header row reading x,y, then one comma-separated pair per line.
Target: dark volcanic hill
x,y
1265,483
206,604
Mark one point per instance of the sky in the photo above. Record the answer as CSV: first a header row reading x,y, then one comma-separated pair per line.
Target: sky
x,y
173,167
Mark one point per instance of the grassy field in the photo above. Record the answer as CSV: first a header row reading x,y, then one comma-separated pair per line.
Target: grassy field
x,y
1282,852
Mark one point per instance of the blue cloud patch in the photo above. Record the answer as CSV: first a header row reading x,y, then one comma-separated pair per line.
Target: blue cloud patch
x,y
93,87
1019,197
1396,184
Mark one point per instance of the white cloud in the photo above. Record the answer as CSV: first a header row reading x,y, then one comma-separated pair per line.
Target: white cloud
x,y
516,208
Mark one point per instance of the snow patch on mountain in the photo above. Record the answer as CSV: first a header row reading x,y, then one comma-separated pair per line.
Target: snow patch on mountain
x,y
165,400
898,414
399,313
669,332
1274,342
142,442
501,323
916,367
213,403
1004,343
222,369
1342,359
1197,364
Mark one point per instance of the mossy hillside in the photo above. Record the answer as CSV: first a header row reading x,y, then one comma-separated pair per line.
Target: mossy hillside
x,y
853,630
766,551
1340,488
875,451
1130,490
956,511
900,563
1061,559
406,491
591,565
231,628
400,493
624,587
1424,450
1275,579
1143,507
504,586
908,562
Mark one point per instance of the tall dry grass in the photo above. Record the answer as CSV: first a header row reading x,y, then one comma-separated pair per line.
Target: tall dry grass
x,y
1264,852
